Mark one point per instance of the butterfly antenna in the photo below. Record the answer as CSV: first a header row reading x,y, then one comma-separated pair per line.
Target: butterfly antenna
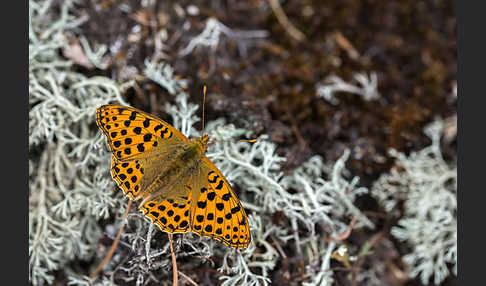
x,y
204,104
234,141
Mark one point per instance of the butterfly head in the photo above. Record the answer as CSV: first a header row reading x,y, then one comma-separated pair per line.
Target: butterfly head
x,y
203,142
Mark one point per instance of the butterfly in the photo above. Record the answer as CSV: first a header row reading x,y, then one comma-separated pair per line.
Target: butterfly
x,y
180,188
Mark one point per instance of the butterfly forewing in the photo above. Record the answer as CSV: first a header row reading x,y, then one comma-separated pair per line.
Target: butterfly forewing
x,y
134,134
217,211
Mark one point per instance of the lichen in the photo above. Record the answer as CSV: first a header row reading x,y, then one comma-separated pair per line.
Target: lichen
x,y
70,189
366,87
427,185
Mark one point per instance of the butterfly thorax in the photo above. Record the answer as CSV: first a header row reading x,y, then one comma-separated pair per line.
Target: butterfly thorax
x,y
184,162
192,152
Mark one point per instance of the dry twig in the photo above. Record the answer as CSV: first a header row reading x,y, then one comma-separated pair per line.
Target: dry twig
x,y
174,262
347,232
188,279
284,21
113,246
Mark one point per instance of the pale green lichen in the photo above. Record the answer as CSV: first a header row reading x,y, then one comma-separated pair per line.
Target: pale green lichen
x,y
211,36
365,86
69,184
427,185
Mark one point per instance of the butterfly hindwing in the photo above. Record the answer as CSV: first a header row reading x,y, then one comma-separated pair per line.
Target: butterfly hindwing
x,y
132,133
217,211
168,215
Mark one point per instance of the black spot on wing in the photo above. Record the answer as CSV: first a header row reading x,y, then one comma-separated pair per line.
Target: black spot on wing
x,y
220,206
146,123
226,197
214,179
147,137
211,196
220,185
133,115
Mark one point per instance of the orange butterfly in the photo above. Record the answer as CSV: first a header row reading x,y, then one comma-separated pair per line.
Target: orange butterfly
x,y
180,188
